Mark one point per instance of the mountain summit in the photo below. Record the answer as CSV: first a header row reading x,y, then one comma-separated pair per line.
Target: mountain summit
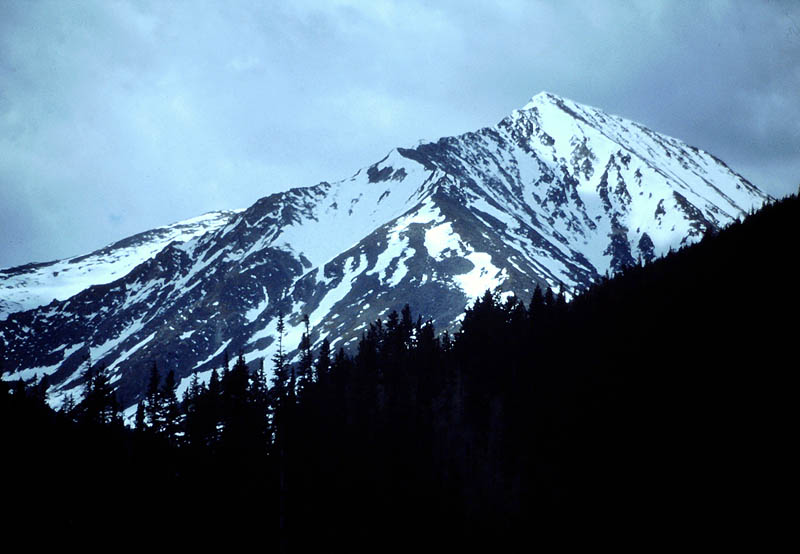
x,y
556,194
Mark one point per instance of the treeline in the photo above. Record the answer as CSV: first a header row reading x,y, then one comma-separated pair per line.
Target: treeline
x,y
662,391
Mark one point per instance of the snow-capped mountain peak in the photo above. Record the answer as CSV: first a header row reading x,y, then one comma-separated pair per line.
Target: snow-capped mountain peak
x,y
537,100
556,194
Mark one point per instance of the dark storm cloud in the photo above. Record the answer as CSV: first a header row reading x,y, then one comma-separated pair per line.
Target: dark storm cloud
x,y
118,117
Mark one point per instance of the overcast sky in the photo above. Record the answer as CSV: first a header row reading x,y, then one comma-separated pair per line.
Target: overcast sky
x,y
117,117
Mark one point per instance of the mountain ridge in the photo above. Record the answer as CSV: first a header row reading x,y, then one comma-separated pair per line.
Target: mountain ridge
x,y
19,284
545,196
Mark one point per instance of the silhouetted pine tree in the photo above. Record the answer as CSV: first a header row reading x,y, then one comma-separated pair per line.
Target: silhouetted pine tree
x,y
536,307
39,392
99,405
153,407
140,423
206,424
169,409
192,407
305,369
68,406
259,400
323,364
237,431
282,402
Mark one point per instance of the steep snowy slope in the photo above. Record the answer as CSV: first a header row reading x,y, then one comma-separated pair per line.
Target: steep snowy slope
x,y
556,194
33,285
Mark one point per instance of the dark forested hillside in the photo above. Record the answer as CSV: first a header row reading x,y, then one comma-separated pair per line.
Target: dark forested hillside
x,y
658,399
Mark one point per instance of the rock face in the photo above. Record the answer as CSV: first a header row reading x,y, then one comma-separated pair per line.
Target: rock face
x,y
557,194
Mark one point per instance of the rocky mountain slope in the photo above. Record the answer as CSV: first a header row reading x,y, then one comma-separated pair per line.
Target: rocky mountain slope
x,y
557,193
30,286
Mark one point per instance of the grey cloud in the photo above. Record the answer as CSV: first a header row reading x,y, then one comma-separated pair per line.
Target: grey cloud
x,y
119,117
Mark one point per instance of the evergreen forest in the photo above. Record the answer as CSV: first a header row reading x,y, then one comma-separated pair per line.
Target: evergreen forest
x,y
658,399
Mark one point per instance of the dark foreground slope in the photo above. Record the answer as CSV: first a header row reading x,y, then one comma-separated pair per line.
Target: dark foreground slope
x,y
658,400
683,373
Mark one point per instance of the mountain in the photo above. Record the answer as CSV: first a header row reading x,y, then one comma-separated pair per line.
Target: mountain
x,y
557,194
30,286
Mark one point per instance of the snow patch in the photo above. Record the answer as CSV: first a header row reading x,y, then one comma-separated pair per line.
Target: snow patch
x,y
483,276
